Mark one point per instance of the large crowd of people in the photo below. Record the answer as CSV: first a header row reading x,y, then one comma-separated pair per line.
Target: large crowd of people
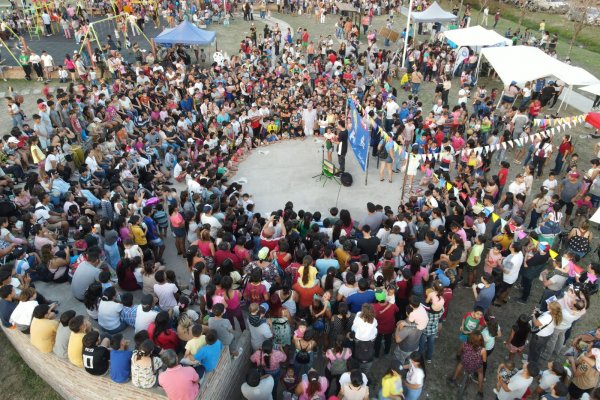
x,y
139,156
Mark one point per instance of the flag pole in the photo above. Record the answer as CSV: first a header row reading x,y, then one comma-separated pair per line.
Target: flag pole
x,y
406,34
368,156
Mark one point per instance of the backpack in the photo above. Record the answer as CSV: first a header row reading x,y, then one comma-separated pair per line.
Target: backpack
x,y
302,356
41,273
383,153
339,365
364,352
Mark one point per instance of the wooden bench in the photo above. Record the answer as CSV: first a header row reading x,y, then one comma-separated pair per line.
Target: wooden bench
x,y
72,382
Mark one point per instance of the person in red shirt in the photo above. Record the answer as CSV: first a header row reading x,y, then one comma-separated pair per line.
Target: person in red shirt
x,y
224,253
502,176
403,293
439,137
305,38
534,109
306,294
160,333
564,150
386,323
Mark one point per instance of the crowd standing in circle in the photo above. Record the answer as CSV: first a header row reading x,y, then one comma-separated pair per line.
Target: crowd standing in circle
x,y
316,288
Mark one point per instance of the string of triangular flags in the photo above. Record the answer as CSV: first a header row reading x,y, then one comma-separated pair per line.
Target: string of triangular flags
x,y
562,121
550,130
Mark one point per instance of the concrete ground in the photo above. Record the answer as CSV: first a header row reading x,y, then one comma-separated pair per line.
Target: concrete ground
x,y
284,172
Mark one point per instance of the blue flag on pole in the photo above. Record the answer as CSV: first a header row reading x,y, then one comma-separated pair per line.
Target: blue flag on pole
x,y
358,137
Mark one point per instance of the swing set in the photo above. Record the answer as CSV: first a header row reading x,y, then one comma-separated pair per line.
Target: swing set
x,y
120,22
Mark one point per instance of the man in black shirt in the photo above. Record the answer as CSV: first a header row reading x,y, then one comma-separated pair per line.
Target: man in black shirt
x,y
96,355
368,244
343,144
533,266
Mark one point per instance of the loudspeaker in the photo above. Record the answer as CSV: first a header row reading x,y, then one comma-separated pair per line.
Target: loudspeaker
x,y
346,179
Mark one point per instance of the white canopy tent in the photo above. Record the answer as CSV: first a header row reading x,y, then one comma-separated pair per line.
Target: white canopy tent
x,y
593,89
572,76
519,63
524,63
476,36
434,13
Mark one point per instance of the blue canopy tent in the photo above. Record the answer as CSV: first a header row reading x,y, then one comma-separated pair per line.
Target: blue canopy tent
x,y
185,33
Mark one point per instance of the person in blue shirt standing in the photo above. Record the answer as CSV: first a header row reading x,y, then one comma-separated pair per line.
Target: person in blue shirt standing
x,y
152,233
364,295
120,359
208,355
404,111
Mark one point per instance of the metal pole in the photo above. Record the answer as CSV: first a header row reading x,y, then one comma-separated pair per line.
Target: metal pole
x,y
368,157
84,39
410,4
89,49
565,97
10,52
478,65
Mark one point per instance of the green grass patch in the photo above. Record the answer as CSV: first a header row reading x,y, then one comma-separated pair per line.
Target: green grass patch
x,y
17,380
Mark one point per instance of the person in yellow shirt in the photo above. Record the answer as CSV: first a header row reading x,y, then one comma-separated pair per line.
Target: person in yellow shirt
x,y
193,345
138,231
310,279
37,155
391,385
42,330
79,326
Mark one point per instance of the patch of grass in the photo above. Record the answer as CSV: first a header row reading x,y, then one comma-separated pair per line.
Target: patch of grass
x,y
555,23
584,53
17,380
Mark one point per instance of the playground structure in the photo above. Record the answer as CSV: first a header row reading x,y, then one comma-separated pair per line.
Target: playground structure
x,y
119,27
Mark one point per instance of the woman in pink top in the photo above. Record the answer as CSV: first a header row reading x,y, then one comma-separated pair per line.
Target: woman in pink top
x,y
270,359
419,275
205,245
312,386
436,297
493,259
178,228
232,299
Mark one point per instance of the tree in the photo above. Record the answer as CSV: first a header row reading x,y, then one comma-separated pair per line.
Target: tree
x,y
578,9
522,4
